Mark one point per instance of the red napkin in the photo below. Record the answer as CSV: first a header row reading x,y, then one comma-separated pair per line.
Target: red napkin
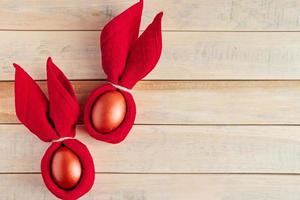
x,y
51,120
126,59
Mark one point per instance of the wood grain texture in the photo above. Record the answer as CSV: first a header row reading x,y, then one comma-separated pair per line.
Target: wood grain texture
x,y
230,15
186,55
196,102
163,187
170,149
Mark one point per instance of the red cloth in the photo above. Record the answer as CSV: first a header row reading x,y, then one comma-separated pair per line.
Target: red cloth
x,y
126,59
51,120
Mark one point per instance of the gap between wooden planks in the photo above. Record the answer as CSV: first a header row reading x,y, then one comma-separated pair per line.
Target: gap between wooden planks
x,y
163,187
195,15
186,55
170,149
196,102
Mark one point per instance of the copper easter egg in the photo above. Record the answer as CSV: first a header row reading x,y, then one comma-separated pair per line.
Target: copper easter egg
x,y
66,168
108,111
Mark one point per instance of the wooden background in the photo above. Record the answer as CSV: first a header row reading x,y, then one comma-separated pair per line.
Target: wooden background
x,y
218,119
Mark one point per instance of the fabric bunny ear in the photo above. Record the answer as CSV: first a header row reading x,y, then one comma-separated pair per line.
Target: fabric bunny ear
x,y
144,54
116,39
31,106
64,107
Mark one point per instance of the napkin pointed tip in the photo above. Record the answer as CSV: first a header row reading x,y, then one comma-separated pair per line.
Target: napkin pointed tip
x,y
49,64
16,66
157,20
49,60
159,16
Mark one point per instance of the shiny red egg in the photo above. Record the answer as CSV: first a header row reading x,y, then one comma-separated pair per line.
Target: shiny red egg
x,y
66,168
108,111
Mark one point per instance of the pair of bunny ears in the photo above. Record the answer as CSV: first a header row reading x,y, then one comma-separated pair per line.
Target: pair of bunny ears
x,y
127,58
48,119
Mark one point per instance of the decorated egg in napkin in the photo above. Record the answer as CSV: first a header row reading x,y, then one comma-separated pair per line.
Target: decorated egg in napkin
x,y
110,110
67,166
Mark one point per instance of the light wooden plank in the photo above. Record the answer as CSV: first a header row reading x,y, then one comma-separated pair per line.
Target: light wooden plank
x,y
196,102
163,187
186,55
170,149
194,15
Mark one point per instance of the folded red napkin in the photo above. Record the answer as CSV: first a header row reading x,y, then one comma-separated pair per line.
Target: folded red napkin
x,y
126,59
51,120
